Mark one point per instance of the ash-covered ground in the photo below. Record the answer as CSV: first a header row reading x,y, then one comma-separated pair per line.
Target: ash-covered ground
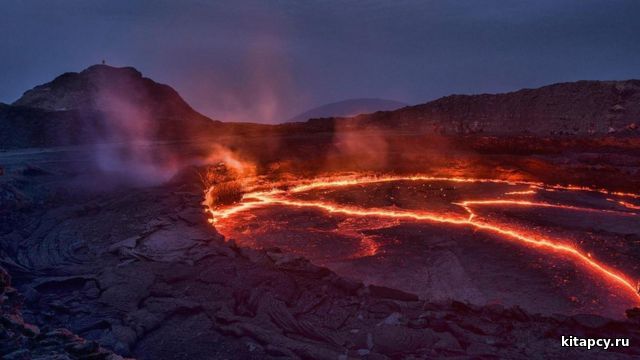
x,y
134,269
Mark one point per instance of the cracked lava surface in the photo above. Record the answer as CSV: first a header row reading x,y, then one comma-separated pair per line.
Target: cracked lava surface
x,y
547,248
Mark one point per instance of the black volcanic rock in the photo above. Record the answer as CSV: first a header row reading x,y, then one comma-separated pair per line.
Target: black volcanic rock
x,y
99,104
141,278
22,127
101,87
21,340
582,108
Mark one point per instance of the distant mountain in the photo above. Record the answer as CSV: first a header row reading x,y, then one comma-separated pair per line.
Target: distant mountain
x,y
100,103
348,108
581,108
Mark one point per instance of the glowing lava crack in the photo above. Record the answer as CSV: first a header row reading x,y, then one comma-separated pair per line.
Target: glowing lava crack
x,y
259,198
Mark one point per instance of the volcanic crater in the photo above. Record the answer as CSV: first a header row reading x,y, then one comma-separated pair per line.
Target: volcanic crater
x,y
443,230
556,249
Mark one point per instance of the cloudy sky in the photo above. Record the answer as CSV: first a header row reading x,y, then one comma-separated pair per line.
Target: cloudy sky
x,y
266,61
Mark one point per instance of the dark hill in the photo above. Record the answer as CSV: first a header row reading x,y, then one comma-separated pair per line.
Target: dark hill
x,y
580,108
101,87
100,103
348,108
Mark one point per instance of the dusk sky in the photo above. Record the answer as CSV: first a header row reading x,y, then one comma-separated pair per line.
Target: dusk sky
x,y
266,61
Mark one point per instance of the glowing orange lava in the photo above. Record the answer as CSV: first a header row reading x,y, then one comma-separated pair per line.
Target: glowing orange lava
x,y
629,205
262,198
525,192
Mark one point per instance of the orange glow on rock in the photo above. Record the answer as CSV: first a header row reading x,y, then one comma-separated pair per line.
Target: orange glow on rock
x,y
276,197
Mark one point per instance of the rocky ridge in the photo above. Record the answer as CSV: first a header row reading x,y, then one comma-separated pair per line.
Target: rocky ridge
x,y
82,108
99,86
582,108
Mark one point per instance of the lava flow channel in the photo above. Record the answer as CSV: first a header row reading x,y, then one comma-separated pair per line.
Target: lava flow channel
x,y
257,199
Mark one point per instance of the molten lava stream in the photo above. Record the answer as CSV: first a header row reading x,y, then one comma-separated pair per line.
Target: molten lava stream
x,y
530,238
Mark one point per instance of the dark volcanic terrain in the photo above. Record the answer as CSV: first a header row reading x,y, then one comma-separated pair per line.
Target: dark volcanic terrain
x,y
583,108
142,273
103,231
99,104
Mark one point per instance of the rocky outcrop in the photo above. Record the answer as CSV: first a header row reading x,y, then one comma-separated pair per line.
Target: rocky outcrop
x,y
583,108
103,87
20,340
99,104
